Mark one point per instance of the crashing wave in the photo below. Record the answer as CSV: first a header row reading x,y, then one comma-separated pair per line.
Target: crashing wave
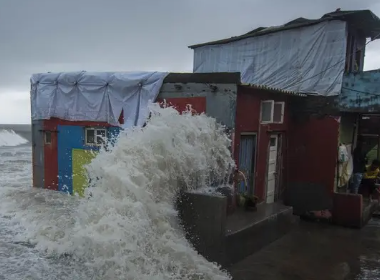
x,y
9,138
128,228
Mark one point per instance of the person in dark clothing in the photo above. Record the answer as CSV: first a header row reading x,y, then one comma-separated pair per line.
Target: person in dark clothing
x,y
370,178
359,162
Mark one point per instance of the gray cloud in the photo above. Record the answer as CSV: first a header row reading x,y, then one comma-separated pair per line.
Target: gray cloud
x,y
101,35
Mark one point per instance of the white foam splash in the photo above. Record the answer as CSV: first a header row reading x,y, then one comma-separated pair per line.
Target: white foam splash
x,y
9,138
128,228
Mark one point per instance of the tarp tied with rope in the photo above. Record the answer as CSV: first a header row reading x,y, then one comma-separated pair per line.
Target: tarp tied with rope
x,y
95,96
309,59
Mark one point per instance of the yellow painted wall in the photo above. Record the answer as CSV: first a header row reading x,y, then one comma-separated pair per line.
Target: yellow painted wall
x,y
80,158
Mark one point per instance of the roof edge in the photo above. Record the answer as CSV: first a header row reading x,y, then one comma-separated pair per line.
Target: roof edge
x,y
365,20
247,35
274,90
211,78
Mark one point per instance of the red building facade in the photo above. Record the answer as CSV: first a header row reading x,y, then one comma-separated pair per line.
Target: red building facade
x,y
262,119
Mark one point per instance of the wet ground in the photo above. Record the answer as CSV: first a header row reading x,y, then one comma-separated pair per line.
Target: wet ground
x,y
317,252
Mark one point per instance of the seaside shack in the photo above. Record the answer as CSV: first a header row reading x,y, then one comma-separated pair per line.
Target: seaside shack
x,y
74,113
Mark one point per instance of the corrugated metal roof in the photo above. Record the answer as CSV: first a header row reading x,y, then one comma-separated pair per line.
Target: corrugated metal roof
x,y
363,20
274,90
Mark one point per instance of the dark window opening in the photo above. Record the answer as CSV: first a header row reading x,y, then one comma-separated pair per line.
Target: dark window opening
x,y
90,136
356,43
47,137
273,141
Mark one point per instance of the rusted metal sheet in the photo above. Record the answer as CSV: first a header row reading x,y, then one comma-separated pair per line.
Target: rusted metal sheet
x,y
38,154
312,152
181,104
304,108
50,155
361,92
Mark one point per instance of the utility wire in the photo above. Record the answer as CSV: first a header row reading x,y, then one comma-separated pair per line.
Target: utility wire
x,y
343,60
360,91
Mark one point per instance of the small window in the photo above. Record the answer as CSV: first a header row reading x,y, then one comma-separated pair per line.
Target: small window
x,y
47,137
90,136
272,112
95,136
278,112
267,111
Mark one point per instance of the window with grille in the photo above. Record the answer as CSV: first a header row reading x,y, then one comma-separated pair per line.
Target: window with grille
x,y
95,136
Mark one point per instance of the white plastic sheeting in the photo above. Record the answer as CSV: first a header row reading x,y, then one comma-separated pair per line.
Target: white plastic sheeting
x,y
346,166
305,60
93,96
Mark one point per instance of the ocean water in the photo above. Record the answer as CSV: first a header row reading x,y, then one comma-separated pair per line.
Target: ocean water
x,y
128,227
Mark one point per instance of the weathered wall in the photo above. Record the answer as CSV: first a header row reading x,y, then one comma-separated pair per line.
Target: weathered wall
x,y
248,121
350,211
38,154
361,92
312,151
198,104
220,99
58,169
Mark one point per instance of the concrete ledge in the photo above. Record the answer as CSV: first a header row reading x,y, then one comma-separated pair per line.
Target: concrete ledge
x,y
248,232
305,197
203,218
347,209
369,208
229,239
351,210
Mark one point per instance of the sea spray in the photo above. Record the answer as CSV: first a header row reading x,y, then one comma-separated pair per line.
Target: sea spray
x,y
127,227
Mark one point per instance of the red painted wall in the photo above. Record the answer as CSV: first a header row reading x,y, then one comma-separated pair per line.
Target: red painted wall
x,y
51,150
313,148
347,210
248,107
198,104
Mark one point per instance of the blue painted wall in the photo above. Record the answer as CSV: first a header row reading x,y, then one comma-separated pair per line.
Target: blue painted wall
x,y
72,137
361,92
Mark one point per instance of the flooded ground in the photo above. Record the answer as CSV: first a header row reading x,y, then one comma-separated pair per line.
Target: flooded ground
x,y
317,252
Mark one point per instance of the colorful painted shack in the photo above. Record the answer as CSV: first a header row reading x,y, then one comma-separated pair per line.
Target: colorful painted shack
x,y
73,114
66,138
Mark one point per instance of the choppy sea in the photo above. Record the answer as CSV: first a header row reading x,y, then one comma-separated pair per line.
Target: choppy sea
x,y
128,228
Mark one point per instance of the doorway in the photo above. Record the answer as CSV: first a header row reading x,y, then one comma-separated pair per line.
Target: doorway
x,y
272,169
247,155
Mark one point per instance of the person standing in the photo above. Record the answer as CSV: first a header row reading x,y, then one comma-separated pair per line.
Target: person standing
x,y
359,162
370,178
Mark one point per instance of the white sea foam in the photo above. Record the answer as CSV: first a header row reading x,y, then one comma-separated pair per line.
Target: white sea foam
x,y
9,138
128,227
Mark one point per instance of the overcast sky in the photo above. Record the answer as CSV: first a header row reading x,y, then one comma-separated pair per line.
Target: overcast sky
x,y
130,35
